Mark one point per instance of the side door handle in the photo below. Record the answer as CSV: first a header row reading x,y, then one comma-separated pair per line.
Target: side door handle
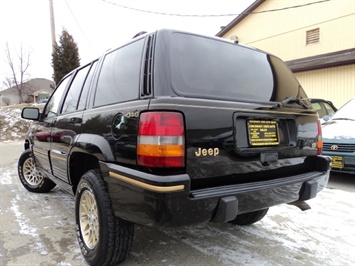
x,y
75,120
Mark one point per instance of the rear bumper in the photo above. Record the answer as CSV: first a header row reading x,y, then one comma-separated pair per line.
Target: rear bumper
x,y
167,200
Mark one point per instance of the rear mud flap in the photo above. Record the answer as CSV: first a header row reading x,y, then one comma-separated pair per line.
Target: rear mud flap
x,y
309,190
226,210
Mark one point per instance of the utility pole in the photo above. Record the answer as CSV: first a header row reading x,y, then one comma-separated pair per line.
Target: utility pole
x,y
51,11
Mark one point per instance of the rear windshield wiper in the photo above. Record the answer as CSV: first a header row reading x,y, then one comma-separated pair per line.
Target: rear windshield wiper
x,y
289,100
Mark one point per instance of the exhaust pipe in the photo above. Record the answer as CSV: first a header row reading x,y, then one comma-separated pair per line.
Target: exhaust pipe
x,y
301,204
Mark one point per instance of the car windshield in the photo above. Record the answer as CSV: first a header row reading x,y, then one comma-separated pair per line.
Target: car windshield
x,y
211,68
346,112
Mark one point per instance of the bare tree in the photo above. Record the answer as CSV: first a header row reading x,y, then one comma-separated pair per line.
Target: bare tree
x,y
19,72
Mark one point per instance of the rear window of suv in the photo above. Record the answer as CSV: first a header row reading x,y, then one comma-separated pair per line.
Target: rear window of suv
x,y
215,69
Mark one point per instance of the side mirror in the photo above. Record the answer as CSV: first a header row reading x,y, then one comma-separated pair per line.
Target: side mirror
x,y
30,113
67,139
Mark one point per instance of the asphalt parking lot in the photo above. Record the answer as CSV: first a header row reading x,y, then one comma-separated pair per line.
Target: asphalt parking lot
x,y
39,229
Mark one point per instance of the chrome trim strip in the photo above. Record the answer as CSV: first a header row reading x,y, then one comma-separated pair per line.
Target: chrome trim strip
x,y
53,155
41,151
147,186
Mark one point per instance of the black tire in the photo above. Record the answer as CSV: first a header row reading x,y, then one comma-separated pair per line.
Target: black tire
x,y
31,177
250,217
103,238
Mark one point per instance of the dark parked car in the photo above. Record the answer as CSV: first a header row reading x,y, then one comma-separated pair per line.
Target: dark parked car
x,y
324,108
174,129
339,139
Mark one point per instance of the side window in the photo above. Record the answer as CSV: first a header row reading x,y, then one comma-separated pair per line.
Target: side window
x,y
72,98
330,109
85,91
318,107
54,101
119,76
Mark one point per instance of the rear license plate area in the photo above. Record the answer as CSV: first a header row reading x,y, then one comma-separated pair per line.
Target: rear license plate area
x,y
263,133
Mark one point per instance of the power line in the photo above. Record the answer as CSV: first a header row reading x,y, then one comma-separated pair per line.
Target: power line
x,y
289,7
210,15
87,39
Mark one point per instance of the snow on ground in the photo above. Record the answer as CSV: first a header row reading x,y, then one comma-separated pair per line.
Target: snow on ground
x,y
323,235
12,127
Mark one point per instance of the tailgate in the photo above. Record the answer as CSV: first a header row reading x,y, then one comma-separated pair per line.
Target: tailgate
x,y
246,144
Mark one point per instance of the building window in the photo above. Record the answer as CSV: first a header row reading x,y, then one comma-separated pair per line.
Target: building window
x,y
312,36
42,96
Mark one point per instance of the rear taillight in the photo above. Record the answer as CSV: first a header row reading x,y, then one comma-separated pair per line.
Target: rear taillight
x,y
319,139
161,140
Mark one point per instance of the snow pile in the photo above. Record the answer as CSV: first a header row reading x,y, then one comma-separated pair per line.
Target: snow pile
x,y
12,126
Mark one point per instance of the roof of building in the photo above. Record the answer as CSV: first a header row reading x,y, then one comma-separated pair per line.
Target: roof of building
x,y
339,58
239,18
36,84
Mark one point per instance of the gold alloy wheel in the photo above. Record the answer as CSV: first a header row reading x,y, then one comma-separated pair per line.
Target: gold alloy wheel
x,y
32,176
89,220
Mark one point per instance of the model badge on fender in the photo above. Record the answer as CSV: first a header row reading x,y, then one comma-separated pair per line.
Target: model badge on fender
x,y
205,152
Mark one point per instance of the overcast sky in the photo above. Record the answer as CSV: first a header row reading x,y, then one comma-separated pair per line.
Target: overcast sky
x,y
97,25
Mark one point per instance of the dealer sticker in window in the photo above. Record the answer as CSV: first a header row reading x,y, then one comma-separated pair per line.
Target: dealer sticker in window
x,y
337,162
263,133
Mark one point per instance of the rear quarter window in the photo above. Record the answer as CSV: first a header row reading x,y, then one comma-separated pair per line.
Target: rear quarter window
x,y
120,75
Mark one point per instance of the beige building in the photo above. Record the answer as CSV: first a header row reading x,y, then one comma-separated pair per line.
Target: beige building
x,y
34,90
316,38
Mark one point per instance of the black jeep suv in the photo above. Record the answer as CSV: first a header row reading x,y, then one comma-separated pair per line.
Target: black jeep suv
x,y
173,129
